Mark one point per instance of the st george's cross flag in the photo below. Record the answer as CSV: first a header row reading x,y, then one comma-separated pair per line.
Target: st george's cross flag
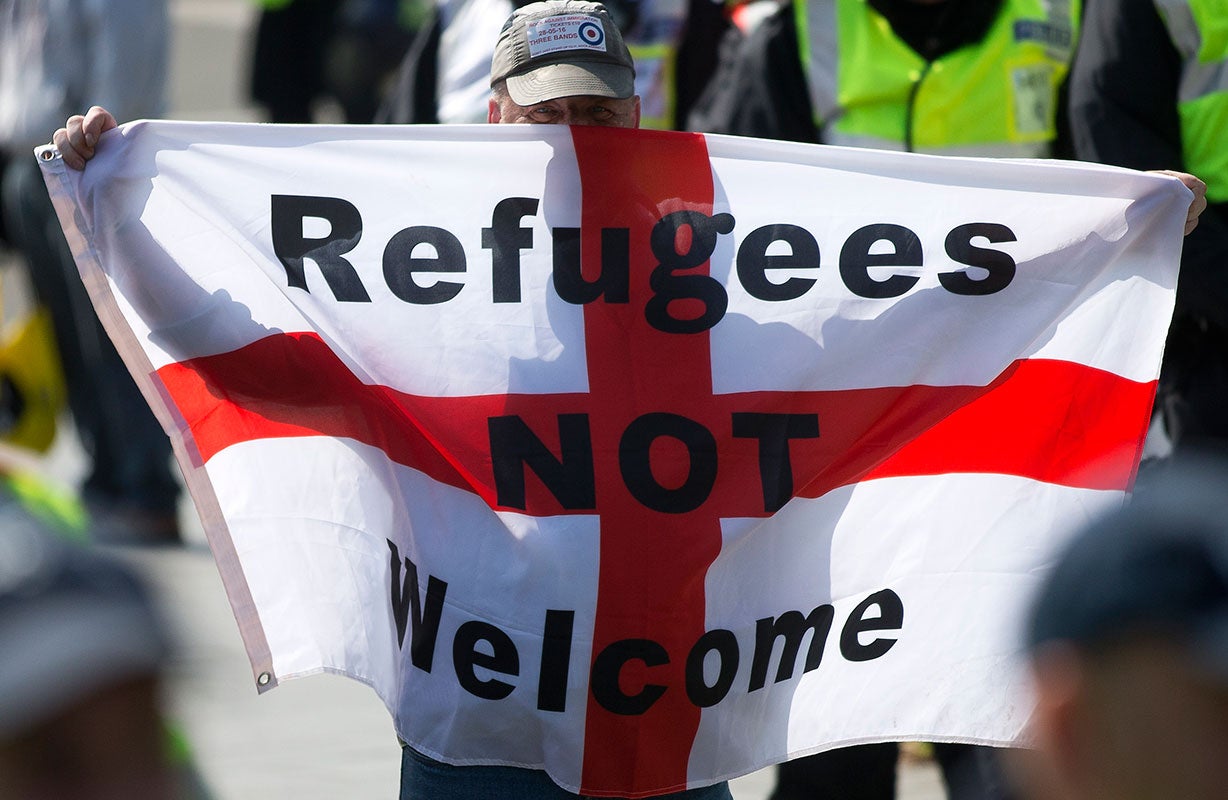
x,y
647,459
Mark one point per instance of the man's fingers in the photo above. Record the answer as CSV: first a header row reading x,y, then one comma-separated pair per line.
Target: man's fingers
x,y
79,136
1199,203
97,121
1197,207
70,141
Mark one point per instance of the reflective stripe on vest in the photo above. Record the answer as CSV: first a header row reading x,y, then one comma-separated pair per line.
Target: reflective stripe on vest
x,y
653,41
654,83
996,98
52,506
1199,30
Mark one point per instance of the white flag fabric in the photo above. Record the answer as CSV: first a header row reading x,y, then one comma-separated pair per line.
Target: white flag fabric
x,y
647,459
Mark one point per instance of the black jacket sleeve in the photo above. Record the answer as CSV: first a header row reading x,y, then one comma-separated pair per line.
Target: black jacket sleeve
x,y
759,88
698,54
1123,111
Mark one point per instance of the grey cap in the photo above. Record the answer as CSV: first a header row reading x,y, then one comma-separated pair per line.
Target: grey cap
x,y
1157,566
562,48
72,622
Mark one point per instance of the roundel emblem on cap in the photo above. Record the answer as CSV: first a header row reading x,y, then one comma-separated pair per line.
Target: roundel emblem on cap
x,y
591,33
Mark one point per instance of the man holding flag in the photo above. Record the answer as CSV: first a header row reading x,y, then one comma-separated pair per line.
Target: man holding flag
x,y
650,692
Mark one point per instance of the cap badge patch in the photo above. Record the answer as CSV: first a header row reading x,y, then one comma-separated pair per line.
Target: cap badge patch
x,y
567,32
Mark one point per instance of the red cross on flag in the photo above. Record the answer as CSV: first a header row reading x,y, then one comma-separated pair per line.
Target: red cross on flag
x,y
647,459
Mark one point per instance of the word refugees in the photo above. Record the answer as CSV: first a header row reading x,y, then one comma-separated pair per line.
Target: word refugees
x,y
861,252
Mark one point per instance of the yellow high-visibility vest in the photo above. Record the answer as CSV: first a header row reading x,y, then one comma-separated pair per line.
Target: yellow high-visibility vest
x,y
998,97
1199,30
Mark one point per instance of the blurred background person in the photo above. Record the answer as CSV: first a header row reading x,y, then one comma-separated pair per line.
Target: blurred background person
x,y
57,56
955,77
307,52
370,39
287,68
1150,90
83,650
1128,643
445,75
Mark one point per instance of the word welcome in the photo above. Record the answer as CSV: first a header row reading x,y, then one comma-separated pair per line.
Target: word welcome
x,y
679,241
482,645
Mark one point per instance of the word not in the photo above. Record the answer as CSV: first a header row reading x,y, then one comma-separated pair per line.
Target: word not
x,y
514,446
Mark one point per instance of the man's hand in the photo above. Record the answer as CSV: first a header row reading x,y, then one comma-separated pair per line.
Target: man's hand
x,y
1199,189
77,139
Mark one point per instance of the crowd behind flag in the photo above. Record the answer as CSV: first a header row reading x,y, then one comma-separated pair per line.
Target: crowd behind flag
x,y
645,458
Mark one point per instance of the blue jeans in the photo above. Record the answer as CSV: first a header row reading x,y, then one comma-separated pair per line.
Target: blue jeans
x,y
424,778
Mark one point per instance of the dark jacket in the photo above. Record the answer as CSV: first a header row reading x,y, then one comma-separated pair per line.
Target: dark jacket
x,y
1124,112
1123,92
